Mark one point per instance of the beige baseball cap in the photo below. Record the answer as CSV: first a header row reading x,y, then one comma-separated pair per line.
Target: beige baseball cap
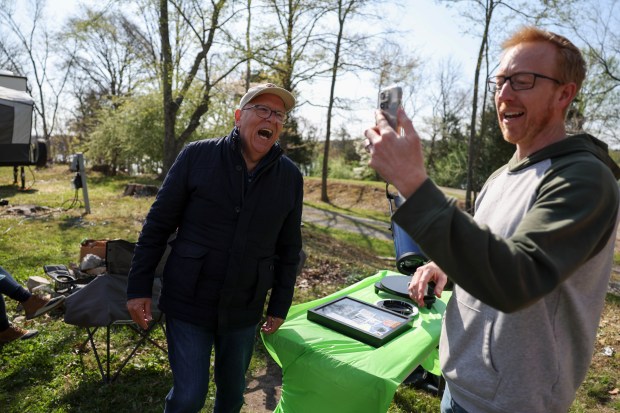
x,y
286,96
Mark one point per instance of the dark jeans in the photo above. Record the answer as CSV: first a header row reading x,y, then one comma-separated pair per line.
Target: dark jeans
x,y
189,352
10,288
448,405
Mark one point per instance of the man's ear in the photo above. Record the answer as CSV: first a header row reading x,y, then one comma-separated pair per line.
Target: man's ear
x,y
237,116
567,94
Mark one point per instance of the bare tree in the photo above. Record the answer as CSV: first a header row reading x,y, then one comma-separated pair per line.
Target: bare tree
x,y
248,46
290,49
596,25
288,53
107,55
447,106
109,61
205,24
344,9
10,55
349,49
487,8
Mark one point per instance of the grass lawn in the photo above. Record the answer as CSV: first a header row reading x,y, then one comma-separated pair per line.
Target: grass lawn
x,y
54,373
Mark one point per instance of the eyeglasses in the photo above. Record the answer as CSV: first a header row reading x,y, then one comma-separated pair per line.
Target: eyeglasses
x,y
264,112
518,81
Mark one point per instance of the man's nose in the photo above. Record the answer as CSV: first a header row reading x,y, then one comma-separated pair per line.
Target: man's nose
x,y
504,91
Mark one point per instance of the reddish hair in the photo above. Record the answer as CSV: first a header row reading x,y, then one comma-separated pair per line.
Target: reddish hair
x,y
571,66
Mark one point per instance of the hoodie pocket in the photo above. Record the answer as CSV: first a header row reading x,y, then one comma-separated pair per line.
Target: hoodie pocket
x,y
468,362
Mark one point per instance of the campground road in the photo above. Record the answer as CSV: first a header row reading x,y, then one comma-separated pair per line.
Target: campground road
x,y
336,220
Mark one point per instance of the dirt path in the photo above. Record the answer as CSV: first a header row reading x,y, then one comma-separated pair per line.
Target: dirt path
x,y
264,389
363,226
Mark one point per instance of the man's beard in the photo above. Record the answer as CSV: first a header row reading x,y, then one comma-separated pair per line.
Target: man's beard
x,y
532,131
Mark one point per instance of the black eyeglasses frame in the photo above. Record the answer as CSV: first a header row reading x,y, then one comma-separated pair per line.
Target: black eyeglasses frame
x,y
279,116
493,87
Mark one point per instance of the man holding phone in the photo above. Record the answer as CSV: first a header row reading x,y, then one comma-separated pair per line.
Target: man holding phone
x,y
531,268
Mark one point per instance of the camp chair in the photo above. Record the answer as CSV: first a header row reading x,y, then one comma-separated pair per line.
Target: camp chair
x,y
101,304
105,362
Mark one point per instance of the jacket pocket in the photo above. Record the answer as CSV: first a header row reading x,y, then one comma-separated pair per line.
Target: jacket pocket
x,y
256,278
266,270
183,269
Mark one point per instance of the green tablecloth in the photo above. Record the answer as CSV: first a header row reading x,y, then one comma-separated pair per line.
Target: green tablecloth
x,y
324,371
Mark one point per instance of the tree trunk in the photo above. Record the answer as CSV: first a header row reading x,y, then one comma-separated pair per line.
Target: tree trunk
x,y
343,11
170,145
471,155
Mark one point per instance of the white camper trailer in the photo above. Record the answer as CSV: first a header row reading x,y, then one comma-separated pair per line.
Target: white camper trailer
x,y
17,146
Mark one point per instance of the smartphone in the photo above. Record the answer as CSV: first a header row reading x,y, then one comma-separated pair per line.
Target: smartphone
x,y
390,99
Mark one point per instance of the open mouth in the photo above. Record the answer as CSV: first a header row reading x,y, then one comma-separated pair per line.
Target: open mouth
x,y
512,115
265,133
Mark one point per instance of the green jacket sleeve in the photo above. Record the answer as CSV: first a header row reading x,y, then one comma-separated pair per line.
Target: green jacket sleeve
x,y
571,219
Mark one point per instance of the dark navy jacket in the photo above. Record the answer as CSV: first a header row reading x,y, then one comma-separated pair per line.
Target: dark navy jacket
x,y
238,236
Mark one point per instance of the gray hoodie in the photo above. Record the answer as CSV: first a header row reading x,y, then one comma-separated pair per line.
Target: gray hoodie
x,y
531,271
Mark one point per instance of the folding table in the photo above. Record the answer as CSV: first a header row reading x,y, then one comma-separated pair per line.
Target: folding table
x,y
326,371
